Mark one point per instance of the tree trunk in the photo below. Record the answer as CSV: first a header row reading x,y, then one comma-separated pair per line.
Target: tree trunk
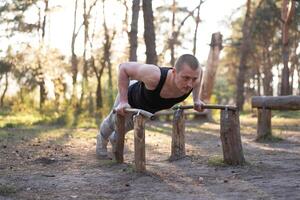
x,y
245,50
84,85
40,74
173,40
99,98
149,32
258,81
134,30
211,68
107,54
43,93
196,29
294,63
298,69
5,90
74,60
268,76
287,12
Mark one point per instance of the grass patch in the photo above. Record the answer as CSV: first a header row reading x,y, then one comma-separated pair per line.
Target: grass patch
x,y
270,138
286,114
6,190
216,161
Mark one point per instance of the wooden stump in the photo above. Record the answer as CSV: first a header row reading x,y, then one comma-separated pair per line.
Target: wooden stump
x,y
264,123
231,138
120,129
178,136
139,143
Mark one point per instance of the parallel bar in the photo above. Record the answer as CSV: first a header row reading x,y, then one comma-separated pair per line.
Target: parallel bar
x,y
145,113
207,106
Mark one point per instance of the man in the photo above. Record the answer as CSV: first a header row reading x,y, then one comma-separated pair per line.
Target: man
x,y
154,89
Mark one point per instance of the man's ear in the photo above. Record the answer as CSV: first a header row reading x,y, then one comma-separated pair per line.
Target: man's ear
x,y
173,70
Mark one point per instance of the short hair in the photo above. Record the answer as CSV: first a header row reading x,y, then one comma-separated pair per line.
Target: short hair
x,y
187,59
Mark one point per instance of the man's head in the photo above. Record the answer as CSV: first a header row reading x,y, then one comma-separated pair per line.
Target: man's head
x,y
187,72
187,59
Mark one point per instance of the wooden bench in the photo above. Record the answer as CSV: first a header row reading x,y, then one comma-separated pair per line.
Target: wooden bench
x,y
265,104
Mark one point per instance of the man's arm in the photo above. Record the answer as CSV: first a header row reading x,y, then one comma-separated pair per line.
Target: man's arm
x,y
196,95
149,74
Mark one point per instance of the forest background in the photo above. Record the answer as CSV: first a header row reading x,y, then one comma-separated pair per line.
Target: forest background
x,y
59,59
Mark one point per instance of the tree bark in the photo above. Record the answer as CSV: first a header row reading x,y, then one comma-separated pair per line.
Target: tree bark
x,y
245,50
84,85
134,30
107,54
173,40
196,29
211,68
74,61
287,12
149,32
267,69
5,90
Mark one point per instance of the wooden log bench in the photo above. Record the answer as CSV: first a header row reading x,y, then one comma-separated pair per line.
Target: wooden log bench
x,y
265,104
230,135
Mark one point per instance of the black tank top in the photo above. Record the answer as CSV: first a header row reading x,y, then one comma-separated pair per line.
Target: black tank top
x,y
140,97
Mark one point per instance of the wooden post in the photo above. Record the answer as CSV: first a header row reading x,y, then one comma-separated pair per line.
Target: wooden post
x,y
231,138
264,123
120,129
139,143
178,139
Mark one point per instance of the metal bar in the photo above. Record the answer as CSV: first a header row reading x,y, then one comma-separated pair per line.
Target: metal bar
x,y
145,113
207,106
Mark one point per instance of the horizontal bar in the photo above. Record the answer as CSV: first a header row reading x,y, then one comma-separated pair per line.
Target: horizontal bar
x,y
207,106
145,113
276,102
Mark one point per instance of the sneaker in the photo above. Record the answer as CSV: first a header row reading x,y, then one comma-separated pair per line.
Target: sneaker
x,y
101,147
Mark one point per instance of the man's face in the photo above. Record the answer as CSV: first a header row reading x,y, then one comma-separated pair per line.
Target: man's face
x,y
186,78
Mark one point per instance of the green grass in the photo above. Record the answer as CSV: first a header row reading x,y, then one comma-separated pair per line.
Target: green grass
x,y
6,190
216,161
270,138
10,119
286,114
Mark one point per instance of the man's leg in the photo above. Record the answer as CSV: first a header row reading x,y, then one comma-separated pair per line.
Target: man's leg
x,y
105,130
114,136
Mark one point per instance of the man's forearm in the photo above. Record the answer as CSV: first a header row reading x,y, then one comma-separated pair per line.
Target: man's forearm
x,y
196,90
123,82
196,93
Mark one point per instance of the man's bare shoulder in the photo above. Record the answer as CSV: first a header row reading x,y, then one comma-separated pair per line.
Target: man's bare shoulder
x,y
150,75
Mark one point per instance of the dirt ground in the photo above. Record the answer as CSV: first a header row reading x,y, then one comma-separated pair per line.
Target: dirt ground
x,y
35,166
